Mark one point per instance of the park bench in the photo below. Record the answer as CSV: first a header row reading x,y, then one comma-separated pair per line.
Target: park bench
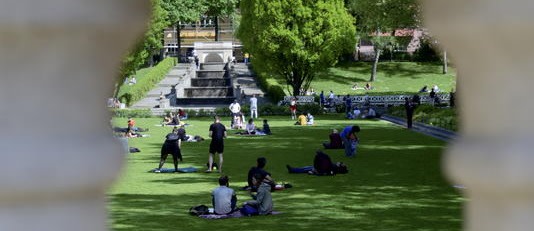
x,y
373,100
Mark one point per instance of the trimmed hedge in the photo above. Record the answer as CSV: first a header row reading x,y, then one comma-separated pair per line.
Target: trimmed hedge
x,y
441,117
137,91
135,113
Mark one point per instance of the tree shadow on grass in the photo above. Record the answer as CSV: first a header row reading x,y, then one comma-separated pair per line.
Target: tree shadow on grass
x,y
394,183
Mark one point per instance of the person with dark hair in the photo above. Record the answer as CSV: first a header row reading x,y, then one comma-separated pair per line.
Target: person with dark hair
x,y
350,139
217,133
259,169
263,202
410,107
266,129
171,146
432,96
322,165
335,141
250,128
348,104
224,199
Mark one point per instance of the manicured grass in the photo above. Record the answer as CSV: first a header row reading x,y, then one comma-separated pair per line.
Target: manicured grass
x,y
392,78
394,183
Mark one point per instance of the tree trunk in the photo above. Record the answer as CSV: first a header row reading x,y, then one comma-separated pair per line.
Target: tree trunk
x,y
445,68
375,64
178,53
216,28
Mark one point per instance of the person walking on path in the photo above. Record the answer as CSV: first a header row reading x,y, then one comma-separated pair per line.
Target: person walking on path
x,y
254,107
410,107
217,133
350,140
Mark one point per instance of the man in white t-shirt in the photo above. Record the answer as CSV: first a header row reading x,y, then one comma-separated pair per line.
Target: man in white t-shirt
x,y
253,107
224,199
235,108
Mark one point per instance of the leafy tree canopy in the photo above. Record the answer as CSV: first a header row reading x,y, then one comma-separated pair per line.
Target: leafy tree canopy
x,y
295,39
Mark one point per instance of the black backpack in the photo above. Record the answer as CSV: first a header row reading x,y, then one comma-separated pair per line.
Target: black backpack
x,y
199,210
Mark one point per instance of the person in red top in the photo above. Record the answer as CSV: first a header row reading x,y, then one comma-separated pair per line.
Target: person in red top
x,y
293,108
335,141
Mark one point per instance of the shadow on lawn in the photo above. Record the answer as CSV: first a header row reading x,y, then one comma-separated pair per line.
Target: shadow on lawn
x,y
394,183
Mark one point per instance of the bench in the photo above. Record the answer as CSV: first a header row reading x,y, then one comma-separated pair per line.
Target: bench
x,y
374,100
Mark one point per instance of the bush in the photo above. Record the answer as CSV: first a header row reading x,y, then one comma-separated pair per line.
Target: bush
x,y
137,113
137,91
428,114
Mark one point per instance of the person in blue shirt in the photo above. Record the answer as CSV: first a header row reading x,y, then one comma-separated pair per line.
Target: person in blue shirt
x,y
350,139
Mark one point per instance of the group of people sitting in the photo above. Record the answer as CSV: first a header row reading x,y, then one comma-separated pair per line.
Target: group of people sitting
x,y
250,128
260,185
305,119
367,86
356,113
175,119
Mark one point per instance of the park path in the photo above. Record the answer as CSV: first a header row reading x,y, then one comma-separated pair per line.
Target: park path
x,y
436,132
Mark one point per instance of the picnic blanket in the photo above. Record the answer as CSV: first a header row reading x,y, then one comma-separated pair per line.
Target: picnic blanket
x,y
235,214
171,170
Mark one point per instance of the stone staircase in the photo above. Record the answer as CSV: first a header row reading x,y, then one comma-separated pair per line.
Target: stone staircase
x,y
211,84
179,82
178,75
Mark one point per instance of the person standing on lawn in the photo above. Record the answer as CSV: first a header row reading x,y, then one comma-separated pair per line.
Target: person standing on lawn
x,y
217,133
350,140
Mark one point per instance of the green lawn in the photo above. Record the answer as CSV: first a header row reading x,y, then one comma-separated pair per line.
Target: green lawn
x,y
394,183
392,78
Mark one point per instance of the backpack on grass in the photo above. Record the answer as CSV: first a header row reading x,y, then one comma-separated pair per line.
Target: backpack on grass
x,y
199,210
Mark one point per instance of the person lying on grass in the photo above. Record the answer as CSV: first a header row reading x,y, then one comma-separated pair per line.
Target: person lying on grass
x,y
322,165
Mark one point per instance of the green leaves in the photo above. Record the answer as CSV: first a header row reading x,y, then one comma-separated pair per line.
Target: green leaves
x,y
295,38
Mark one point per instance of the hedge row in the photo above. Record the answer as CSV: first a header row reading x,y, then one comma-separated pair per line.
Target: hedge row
x,y
137,91
264,110
443,117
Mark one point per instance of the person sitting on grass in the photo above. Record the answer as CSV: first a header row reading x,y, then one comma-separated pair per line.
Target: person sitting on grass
x,y
258,169
266,129
309,119
322,165
250,128
263,202
224,199
335,141
171,146
301,120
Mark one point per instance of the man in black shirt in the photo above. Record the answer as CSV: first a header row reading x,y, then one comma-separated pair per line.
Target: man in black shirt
x,y
170,146
258,169
217,133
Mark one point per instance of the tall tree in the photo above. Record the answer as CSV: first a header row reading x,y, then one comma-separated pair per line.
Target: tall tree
x,y
147,45
220,8
183,11
295,39
375,17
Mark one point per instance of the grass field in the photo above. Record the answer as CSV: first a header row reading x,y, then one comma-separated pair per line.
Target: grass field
x,y
392,78
394,183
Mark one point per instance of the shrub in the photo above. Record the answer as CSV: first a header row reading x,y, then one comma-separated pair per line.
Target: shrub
x,y
137,113
137,91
